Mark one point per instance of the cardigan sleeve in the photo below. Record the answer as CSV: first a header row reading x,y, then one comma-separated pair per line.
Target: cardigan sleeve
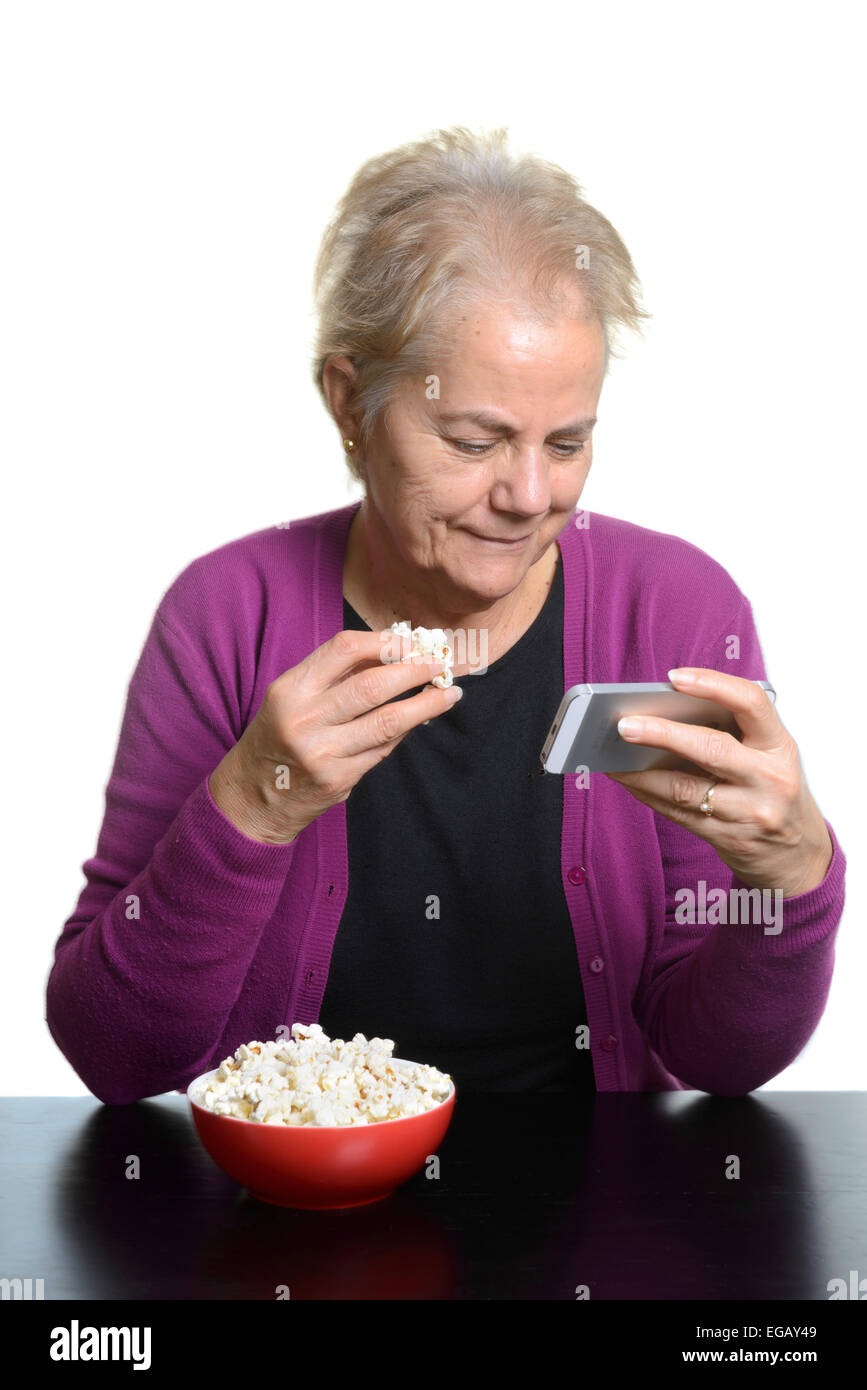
x,y
149,964
727,1006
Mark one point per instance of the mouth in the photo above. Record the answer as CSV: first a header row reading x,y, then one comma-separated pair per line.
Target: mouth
x,y
503,544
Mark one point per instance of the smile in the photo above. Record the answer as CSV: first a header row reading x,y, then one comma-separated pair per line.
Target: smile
x,y
504,544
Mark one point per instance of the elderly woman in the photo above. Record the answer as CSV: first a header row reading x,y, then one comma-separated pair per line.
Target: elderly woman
x,y
298,829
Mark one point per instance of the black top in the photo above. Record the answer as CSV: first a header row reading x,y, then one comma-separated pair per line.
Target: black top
x,y
455,938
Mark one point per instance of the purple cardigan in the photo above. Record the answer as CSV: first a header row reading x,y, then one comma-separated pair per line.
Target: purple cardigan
x,y
189,938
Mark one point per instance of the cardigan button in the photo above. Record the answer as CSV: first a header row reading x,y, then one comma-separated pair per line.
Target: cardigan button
x,y
609,1044
597,964
577,874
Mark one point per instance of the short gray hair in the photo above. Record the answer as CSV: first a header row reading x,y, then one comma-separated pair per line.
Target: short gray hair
x,y
447,222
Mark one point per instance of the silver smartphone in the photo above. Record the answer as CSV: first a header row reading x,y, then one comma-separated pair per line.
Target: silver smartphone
x,y
584,732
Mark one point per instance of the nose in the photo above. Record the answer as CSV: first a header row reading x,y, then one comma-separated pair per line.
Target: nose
x,y
523,485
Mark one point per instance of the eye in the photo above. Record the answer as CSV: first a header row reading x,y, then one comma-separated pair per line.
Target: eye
x,y
468,446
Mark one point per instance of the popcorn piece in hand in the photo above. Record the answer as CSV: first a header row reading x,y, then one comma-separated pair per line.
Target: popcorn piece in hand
x,y
430,643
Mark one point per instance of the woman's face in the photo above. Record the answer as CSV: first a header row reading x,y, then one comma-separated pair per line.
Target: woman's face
x,y
500,454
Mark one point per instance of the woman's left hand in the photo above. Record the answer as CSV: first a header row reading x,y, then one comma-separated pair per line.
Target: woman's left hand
x,y
765,824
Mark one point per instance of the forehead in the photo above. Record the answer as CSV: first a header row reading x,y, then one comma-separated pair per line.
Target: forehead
x,y
505,348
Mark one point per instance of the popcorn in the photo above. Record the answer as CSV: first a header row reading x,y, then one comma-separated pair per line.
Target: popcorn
x,y
428,642
317,1080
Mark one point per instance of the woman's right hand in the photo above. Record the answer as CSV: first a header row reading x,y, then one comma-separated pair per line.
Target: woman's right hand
x,y
320,727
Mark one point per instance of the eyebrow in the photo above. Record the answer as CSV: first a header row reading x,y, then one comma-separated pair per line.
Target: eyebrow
x,y
495,426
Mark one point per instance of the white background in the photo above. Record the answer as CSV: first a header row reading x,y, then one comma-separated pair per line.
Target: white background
x,y
167,170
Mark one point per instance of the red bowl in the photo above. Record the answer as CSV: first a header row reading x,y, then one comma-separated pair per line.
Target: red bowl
x,y
320,1167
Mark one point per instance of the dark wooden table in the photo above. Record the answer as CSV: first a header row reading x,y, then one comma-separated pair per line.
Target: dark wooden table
x,y
537,1196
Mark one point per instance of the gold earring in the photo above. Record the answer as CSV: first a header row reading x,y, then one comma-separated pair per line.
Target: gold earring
x,y
349,445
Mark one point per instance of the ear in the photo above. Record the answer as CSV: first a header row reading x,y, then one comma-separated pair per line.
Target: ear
x,y
339,375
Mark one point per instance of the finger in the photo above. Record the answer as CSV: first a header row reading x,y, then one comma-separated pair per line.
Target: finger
x,y
754,710
683,793
374,686
341,653
391,650
394,650
715,829
349,652
720,753
392,721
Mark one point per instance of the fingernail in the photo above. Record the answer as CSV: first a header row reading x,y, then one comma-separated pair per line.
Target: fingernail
x,y
682,674
453,694
628,727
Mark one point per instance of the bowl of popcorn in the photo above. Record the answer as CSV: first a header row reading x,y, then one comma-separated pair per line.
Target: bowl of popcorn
x,y
319,1123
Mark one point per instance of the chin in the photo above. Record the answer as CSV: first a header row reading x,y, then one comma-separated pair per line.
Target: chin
x,y
490,582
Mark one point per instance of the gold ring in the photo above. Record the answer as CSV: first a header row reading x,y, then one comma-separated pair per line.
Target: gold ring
x,y
706,806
